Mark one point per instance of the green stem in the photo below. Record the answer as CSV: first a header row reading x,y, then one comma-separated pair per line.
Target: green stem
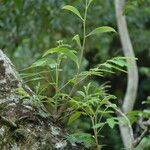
x,y
63,107
95,134
82,48
102,114
70,81
57,73
56,88
51,75
84,38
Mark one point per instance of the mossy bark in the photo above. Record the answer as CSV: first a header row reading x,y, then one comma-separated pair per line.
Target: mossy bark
x,y
21,125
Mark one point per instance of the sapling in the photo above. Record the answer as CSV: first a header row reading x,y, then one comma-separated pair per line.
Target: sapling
x,y
89,99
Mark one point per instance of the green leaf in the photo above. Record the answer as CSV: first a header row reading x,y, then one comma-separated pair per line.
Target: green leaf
x,y
77,39
111,122
89,73
117,68
73,103
88,111
44,62
98,125
74,117
27,75
81,93
89,2
106,65
72,56
69,53
103,29
134,113
54,50
105,112
112,106
22,92
106,71
34,79
74,10
120,63
81,138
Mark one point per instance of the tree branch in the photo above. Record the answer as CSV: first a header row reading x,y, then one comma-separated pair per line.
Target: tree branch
x,y
132,84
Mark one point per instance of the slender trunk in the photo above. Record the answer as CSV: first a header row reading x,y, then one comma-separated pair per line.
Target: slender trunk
x,y
132,84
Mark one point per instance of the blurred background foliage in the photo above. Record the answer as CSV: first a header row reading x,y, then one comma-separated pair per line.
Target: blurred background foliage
x,y
29,27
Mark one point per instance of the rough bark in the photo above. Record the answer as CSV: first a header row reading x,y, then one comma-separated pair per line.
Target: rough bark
x,y
132,84
21,125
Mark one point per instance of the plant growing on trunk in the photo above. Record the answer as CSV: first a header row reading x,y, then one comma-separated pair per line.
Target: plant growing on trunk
x,y
77,94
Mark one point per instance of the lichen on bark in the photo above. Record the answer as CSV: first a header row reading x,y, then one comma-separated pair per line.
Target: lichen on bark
x,y
21,125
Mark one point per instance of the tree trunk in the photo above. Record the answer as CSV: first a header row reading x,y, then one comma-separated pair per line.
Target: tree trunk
x,y
132,84
22,125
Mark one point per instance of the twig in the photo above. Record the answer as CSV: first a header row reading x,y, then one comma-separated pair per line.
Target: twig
x,y
128,123
138,140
